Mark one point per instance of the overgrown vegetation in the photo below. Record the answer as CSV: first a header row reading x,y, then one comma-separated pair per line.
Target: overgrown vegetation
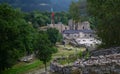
x,y
39,19
44,48
53,35
23,67
67,60
17,37
74,10
80,54
68,56
107,17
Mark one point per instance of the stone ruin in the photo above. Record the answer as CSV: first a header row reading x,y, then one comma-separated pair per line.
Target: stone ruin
x,y
105,61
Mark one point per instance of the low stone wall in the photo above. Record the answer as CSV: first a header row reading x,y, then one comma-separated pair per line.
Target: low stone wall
x,y
27,58
108,64
100,62
109,51
61,69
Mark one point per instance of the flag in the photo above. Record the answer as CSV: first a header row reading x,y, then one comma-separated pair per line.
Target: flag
x,y
52,14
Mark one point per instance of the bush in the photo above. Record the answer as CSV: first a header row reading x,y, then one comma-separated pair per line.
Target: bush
x,y
87,55
54,50
80,54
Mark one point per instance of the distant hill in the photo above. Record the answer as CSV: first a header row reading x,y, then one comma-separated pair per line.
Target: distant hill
x,y
28,5
42,5
61,5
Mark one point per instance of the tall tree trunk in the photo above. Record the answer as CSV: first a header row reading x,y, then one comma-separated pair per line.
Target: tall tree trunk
x,y
45,67
76,26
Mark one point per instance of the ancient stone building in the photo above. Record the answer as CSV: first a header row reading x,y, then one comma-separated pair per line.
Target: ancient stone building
x,y
61,27
81,25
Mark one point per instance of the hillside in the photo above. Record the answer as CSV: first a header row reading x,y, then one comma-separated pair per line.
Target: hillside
x,y
42,5
28,5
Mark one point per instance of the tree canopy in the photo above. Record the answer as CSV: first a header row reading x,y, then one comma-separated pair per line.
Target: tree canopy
x,y
44,48
107,14
16,36
74,11
39,19
53,35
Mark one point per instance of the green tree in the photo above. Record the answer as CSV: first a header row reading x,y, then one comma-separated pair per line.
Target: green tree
x,y
93,23
53,35
27,36
16,36
74,11
107,14
44,48
62,17
37,18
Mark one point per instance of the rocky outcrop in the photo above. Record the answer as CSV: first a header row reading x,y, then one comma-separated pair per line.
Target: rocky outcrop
x,y
109,51
100,64
27,58
106,61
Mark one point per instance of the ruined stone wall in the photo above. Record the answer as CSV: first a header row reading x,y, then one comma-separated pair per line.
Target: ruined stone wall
x,y
100,62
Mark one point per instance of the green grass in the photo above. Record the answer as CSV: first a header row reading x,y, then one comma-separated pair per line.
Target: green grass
x,y
67,61
23,67
63,52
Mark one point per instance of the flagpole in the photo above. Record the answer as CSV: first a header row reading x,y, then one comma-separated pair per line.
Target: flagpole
x,y
52,16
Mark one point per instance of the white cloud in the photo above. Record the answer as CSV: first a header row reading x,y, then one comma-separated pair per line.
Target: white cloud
x,y
43,4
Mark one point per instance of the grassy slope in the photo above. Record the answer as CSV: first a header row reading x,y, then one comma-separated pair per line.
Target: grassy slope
x,y
22,68
62,51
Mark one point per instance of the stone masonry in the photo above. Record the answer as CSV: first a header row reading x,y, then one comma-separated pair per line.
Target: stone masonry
x,y
106,61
